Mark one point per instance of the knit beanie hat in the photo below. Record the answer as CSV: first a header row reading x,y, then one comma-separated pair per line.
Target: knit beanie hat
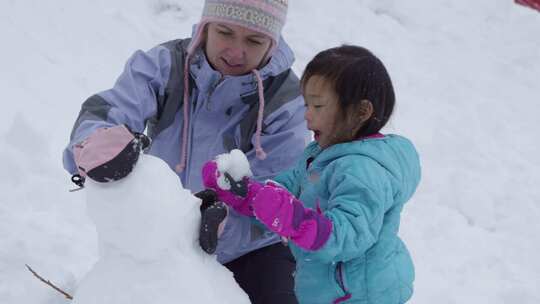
x,y
264,16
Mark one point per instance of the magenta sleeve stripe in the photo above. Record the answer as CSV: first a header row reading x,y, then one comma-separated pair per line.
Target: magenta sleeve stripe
x,y
324,229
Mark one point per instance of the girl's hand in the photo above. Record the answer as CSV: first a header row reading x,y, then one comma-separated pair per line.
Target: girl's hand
x,y
228,175
282,213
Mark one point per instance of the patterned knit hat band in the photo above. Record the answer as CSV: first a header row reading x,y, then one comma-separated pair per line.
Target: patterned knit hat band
x,y
264,16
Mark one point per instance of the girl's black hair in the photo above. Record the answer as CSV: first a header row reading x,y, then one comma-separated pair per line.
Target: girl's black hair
x,y
356,74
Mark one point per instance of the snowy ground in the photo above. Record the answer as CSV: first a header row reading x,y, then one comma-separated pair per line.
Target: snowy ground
x,y
466,75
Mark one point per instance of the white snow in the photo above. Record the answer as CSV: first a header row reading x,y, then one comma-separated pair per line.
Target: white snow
x,y
466,76
234,163
147,227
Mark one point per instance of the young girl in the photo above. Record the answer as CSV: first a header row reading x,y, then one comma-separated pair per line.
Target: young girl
x,y
340,205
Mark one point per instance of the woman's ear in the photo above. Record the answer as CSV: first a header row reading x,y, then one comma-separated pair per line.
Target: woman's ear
x,y
204,36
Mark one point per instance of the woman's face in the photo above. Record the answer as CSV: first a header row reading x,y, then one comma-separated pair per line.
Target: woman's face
x,y
235,50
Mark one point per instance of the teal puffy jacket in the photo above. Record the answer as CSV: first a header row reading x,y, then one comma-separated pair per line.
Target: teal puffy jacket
x,y
361,187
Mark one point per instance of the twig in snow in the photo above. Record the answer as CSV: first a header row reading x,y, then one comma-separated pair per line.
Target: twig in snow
x,y
67,295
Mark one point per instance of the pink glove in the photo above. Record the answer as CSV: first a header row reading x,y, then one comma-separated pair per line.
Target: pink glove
x,y
236,194
282,213
108,154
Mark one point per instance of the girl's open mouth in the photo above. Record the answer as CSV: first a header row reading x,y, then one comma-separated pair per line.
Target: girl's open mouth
x,y
316,135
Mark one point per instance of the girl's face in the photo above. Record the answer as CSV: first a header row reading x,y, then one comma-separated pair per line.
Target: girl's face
x,y
322,107
235,50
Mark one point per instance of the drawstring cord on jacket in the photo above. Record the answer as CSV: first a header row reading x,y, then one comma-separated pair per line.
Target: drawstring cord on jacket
x,y
258,148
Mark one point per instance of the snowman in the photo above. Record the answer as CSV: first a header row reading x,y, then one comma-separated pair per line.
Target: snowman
x,y
147,228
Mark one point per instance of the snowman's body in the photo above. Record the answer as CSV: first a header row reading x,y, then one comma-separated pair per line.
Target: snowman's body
x,y
147,228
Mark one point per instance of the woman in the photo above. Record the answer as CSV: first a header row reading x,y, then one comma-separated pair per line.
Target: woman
x,y
229,86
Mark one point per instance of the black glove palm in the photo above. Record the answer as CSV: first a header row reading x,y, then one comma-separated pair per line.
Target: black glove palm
x,y
213,213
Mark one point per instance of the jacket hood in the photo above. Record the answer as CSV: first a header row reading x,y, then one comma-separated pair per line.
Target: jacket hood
x,y
394,153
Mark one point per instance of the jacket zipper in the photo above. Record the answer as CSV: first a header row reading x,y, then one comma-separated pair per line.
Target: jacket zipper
x,y
212,90
341,283
339,275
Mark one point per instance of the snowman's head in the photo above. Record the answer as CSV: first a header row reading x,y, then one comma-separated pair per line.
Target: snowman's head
x,y
145,215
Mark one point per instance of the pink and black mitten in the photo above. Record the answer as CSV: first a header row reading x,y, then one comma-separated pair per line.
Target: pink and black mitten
x,y
108,154
282,213
228,175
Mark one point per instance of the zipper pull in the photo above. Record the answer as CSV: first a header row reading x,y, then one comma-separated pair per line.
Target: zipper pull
x,y
211,91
